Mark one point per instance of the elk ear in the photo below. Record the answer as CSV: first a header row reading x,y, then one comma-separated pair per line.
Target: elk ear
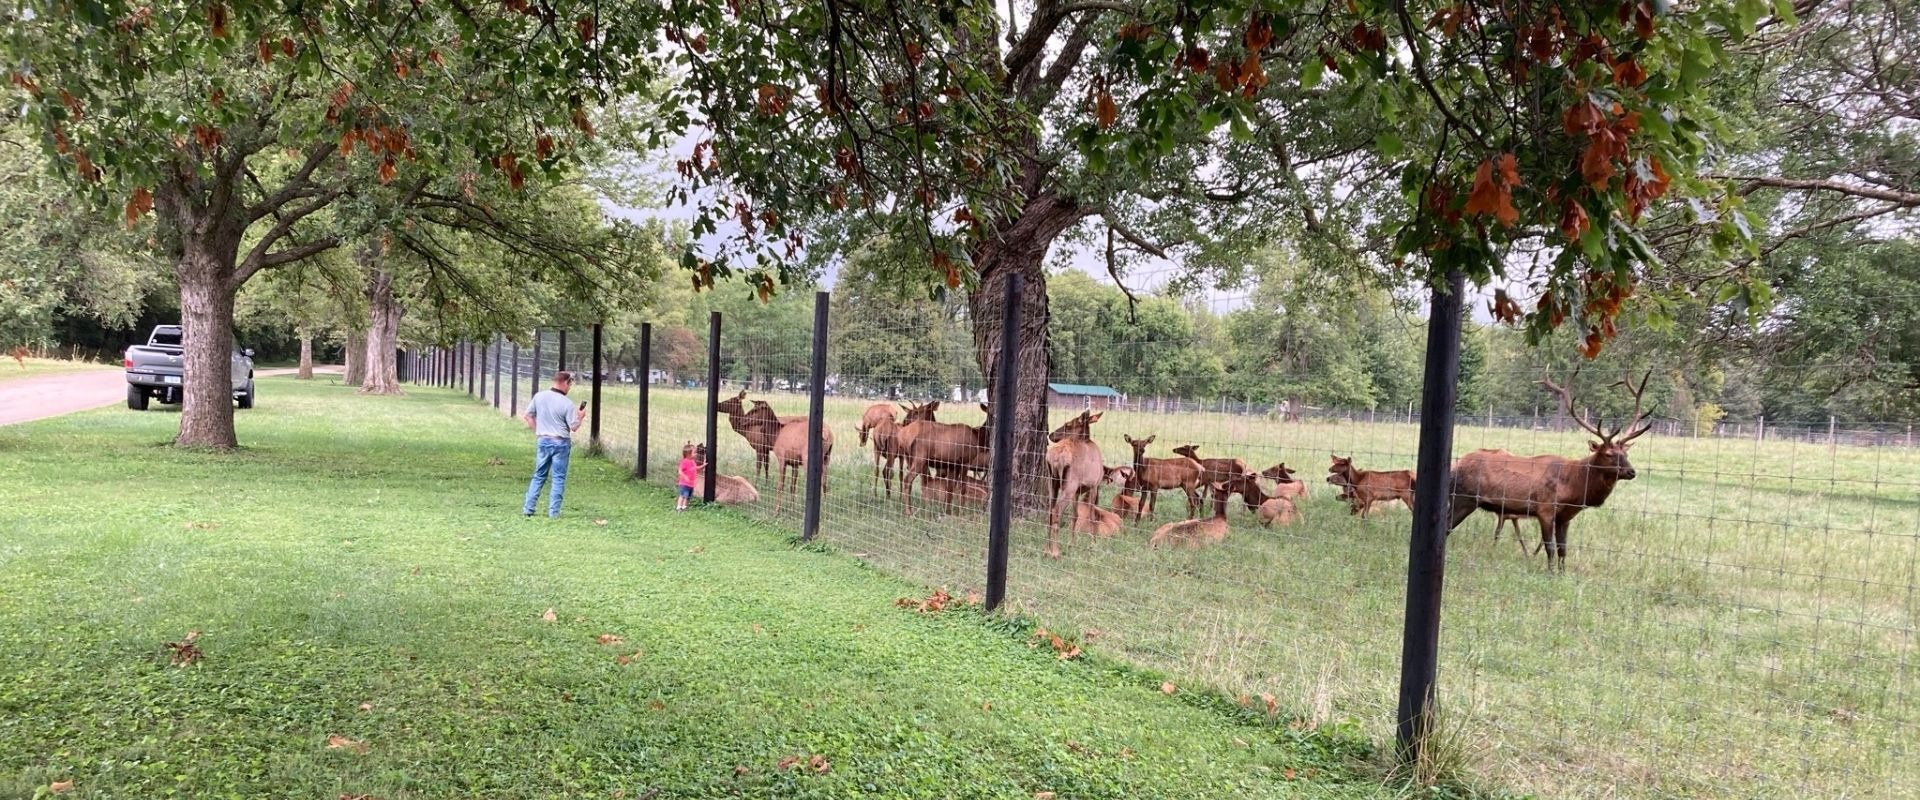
x,y
1594,446
1149,440
983,409
1094,418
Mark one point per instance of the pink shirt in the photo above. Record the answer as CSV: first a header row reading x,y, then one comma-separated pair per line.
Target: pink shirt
x,y
688,471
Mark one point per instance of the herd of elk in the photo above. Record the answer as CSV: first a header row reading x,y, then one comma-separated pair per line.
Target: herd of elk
x,y
1550,489
878,424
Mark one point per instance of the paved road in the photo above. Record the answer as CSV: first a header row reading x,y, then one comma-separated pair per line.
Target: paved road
x,y
27,399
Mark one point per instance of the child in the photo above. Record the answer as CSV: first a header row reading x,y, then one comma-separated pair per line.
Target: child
x,y
689,472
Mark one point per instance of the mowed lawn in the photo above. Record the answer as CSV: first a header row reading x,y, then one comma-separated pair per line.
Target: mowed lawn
x,y
371,614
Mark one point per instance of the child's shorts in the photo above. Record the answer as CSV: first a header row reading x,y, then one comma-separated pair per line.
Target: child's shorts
x,y
686,492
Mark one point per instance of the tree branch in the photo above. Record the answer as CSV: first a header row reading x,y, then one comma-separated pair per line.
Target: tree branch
x,y
1754,183
259,258
298,186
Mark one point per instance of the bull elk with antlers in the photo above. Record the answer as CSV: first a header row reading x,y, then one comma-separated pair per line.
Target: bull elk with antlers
x,y
1550,489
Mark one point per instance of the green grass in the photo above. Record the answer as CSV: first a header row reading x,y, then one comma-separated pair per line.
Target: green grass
x,y
1738,621
361,570
35,367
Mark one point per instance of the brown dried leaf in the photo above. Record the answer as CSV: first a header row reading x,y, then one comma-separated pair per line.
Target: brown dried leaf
x,y
1104,109
549,616
787,763
608,638
366,706
338,742
820,765
1167,687
60,787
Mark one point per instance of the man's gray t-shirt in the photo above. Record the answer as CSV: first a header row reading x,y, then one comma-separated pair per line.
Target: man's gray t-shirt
x,y
553,414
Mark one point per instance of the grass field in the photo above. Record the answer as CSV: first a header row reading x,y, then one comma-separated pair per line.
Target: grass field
x,y
35,367
360,571
1738,621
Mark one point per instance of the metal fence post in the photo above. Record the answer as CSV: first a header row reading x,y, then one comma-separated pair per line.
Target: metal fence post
x,y
646,372
513,384
473,368
593,427
713,404
561,362
498,346
1427,553
536,365
816,420
1000,496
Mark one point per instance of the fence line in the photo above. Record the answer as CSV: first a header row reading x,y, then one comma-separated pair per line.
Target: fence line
x,y
1737,619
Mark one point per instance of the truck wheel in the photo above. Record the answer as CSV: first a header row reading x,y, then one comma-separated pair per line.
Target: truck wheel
x,y
136,398
246,395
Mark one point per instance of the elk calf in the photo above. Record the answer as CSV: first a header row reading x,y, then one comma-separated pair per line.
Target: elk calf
x,y
1366,488
1196,533
728,490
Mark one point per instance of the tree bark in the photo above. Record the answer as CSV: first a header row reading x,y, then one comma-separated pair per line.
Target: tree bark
x,y
356,357
1021,248
205,273
306,355
382,373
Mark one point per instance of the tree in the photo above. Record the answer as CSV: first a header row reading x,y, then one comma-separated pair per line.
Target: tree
x,y
888,336
1160,119
239,125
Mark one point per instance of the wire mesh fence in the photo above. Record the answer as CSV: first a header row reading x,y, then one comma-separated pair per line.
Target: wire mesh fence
x,y
1736,614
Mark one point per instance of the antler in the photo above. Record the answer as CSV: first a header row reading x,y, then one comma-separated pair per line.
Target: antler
x,y
1636,391
1566,401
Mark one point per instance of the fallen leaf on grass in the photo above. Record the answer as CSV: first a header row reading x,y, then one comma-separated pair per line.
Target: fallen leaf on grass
x,y
1043,796
697,549
608,638
338,742
787,763
934,603
202,526
1273,706
599,522
988,706
1287,773
358,797
974,598
366,706
1239,741
1168,688
657,705
625,660
1066,649
495,462
59,787
549,616
1092,634
184,652
741,769
820,765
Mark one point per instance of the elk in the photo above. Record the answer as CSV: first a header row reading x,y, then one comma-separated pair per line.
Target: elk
x,y
942,450
728,490
1270,508
879,421
887,436
1366,488
1196,533
964,490
758,436
1074,471
1213,470
1095,521
1125,504
790,447
1287,486
1550,489
1150,475
872,417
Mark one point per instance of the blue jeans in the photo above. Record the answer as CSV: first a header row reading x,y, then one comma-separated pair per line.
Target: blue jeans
x,y
550,459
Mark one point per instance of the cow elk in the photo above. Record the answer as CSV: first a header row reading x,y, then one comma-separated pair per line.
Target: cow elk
x,y
1196,533
758,436
728,490
1074,471
940,449
1213,470
1550,489
1286,485
1367,488
1150,475
888,438
790,448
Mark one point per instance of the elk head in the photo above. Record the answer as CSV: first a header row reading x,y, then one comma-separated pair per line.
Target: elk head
x,y
733,406
1609,454
1119,476
1139,446
1076,428
1189,450
1278,472
920,413
1340,472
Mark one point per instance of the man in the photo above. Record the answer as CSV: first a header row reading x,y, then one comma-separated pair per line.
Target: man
x,y
553,419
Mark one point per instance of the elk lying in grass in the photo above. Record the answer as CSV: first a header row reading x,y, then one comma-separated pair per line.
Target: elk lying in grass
x,y
1286,486
1093,520
1213,470
942,450
1196,533
964,491
728,490
1550,489
1150,475
1074,470
1270,508
1367,488
1126,504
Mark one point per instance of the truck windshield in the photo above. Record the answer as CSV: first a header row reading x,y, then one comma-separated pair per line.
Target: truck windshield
x,y
166,338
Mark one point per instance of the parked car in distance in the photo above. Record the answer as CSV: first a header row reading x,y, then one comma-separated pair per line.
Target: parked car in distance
x,y
155,371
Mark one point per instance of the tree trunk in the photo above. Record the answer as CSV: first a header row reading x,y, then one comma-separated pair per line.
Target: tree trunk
x,y
382,373
306,355
205,273
355,354
1021,248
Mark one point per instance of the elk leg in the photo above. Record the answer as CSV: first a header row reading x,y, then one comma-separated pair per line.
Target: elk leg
x,y
1560,542
1458,509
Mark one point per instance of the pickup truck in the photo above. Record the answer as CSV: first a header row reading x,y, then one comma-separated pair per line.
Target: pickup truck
x,y
154,370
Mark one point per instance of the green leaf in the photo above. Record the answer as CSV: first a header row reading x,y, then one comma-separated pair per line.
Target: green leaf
x,y
1310,73
1388,144
1239,128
